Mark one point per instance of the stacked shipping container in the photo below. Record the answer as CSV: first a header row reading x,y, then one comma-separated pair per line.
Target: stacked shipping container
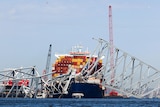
x,y
76,60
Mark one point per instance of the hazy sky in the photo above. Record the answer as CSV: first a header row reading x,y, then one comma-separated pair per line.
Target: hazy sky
x,y
27,27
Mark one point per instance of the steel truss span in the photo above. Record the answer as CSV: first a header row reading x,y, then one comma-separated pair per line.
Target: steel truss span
x,y
25,82
19,82
132,77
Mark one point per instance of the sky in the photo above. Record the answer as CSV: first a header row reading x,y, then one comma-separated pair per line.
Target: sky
x,y
28,27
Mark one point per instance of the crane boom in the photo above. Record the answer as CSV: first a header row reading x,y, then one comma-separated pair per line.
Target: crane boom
x,y
48,59
111,44
112,92
48,63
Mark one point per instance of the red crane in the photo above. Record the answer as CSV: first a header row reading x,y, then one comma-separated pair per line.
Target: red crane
x,y
111,43
112,93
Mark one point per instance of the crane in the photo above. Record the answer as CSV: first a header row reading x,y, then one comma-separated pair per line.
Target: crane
x,y
111,43
48,63
112,93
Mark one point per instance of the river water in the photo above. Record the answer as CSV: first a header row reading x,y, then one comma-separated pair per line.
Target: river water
x,y
18,102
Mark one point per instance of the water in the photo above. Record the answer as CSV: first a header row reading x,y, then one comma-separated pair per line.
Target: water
x,y
79,102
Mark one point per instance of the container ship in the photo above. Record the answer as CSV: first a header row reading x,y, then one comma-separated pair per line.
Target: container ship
x,y
78,60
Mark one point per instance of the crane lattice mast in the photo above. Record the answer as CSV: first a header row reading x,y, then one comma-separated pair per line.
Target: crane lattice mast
x,y
48,63
111,44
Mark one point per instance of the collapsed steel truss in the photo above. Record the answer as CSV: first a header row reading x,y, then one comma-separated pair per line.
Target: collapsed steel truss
x,y
132,77
19,82
59,85
13,83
